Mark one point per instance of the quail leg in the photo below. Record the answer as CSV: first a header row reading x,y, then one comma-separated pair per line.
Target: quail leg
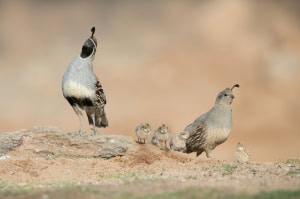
x,y
80,116
208,154
95,132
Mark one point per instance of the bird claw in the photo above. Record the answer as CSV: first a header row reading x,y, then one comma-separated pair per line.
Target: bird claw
x,y
94,131
79,133
209,155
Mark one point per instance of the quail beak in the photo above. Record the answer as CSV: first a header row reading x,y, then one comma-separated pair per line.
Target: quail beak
x,y
232,97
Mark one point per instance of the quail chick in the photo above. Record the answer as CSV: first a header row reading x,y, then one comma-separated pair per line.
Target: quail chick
x,y
143,131
154,140
212,128
82,88
178,141
162,134
241,155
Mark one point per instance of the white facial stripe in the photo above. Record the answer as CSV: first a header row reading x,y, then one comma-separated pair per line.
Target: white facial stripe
x,y
93,41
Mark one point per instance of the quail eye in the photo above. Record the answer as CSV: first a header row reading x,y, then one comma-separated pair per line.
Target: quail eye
x,y
225,95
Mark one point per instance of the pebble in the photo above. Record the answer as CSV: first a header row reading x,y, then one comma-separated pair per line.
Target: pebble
x,y
4,157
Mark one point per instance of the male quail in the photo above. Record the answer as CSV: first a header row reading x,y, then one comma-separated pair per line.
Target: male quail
x,y
82,88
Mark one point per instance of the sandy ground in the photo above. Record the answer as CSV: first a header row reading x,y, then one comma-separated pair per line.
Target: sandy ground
x,y
159,62
144,169
150,165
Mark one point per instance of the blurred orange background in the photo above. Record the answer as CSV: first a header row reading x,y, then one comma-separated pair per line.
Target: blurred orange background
x,y
159,62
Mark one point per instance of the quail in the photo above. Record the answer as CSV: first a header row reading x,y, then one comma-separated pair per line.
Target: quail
x,y
241,155
178,141
143,131
162,134
82,88
213,127
154,140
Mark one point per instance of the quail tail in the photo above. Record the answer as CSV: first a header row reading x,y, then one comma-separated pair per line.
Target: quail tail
x,y
100,117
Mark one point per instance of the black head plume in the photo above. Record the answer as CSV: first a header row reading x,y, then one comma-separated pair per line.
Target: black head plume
x,y
93,30
236,85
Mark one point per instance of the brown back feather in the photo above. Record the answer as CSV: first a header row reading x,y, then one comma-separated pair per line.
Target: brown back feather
x,y
101,99
196,140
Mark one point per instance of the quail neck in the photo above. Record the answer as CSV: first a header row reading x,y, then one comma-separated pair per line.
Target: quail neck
x,y
220,117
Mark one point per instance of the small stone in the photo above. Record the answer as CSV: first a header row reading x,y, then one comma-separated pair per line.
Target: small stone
x,y
112,146
291,164
9,141
4,157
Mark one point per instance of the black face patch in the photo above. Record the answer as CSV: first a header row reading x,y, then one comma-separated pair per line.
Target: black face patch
x,y
86,51
81,102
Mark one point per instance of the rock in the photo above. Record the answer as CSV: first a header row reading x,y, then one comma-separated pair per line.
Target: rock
x,y
50,142
4,157
10,140
112,146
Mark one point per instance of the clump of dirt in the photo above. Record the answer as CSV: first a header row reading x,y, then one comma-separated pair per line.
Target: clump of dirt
x,y
178,156
149,154
144,155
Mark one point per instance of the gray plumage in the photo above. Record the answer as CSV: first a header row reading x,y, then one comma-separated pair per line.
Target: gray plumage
x,y
212,128
82,88
178,141
162,134
143,131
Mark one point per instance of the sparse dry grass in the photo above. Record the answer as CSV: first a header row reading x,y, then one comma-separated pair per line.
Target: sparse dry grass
x,y
73,191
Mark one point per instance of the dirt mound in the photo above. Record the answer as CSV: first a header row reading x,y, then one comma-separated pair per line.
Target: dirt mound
x,y
148,154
